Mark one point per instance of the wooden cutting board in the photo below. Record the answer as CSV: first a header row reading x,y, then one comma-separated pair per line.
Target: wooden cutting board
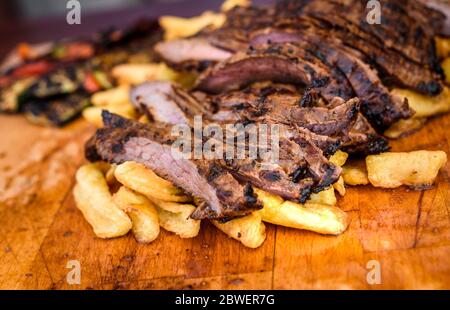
x,y
41,230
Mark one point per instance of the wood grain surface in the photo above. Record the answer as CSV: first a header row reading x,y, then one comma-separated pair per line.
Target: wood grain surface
x,y
408,232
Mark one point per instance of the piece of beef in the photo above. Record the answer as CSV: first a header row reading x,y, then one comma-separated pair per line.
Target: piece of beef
x,y
276,63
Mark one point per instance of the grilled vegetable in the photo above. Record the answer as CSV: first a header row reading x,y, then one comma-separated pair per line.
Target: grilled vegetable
x,y
56,111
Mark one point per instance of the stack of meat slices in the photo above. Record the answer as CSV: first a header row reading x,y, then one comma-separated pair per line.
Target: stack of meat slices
x,y
317,69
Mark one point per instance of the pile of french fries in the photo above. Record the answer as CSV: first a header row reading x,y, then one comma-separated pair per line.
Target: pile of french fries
x,y
143,202
116,199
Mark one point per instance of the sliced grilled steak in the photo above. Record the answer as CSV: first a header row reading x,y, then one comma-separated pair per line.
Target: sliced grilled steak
x,y
338,19
397,31
266,104
124,140
284,63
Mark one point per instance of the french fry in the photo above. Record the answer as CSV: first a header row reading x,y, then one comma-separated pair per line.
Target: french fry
x,y
230,4
404,127
325,197
319,218
339,186
178,27
425,106
133,74
339,158
178,220
112,97
249,230
94,200
109,175
416,169
144,181
142,212
355,173
94,114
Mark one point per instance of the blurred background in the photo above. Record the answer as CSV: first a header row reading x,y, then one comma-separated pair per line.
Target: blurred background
x,y
39,20
29,9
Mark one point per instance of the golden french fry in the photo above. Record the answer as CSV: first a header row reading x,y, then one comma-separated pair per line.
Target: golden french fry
x,y
249,230
416,169
442,47
112,97
310,216
93,198
133,74
142,212
178,27
339,186
425,106
230,4
178,220
144,181
94,114
339,158
355,173
109,175
404,127
325,197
